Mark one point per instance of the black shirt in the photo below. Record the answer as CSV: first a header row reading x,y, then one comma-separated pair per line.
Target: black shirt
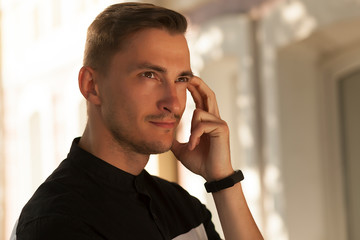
x,y
87,198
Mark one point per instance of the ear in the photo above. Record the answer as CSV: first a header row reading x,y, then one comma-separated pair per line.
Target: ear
x,y
88,86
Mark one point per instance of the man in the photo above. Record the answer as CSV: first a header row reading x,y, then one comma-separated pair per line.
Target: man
x,y
135,75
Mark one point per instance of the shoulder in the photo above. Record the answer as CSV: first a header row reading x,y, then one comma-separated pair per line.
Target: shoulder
x,y
55,227
174,193
170,188
56,198
182,209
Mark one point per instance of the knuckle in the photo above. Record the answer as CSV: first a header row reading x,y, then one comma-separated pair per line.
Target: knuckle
x,y
197,111
210,95
224,126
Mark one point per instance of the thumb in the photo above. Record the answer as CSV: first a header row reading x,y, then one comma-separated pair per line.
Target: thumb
x,y
177,148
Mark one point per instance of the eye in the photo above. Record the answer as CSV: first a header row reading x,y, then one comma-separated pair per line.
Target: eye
x,y
148,74
182,79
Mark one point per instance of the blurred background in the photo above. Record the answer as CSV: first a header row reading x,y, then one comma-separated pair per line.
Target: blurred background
x,y
287,78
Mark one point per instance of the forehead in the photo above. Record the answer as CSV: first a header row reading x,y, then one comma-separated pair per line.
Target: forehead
x,y
152,37
156,46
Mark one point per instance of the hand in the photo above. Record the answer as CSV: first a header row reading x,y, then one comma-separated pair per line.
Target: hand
x,y
208,151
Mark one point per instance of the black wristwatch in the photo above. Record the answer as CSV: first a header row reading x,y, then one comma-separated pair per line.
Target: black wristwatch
x,y
224,183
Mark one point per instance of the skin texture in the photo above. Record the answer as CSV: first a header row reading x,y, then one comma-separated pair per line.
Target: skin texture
x,y
134,110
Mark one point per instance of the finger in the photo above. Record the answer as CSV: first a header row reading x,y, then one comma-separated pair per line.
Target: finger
x,y
213,129
201,115
207,96
177,147
199,97
199,103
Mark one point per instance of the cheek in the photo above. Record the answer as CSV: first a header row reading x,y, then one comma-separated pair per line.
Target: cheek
x,y
182,93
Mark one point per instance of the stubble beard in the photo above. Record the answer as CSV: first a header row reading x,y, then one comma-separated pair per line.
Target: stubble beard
x,y
128,141
137,144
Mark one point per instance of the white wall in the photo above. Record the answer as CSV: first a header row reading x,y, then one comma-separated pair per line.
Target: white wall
x,y
303,42
43,43
300,144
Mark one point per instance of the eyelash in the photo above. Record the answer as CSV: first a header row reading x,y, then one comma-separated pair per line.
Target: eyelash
x,y
153,76
183,79
146,73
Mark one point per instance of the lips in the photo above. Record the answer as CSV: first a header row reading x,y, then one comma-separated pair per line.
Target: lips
x,y
164,124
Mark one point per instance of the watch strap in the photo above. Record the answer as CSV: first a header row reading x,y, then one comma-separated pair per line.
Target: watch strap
x,y
224,183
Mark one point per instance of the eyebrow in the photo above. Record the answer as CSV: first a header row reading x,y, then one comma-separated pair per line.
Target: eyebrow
x,y
160,69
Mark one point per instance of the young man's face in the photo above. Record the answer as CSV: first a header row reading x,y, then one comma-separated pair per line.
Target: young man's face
x,y
143,96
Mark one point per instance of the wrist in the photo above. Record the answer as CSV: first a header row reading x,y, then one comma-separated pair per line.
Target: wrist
x,y
219,175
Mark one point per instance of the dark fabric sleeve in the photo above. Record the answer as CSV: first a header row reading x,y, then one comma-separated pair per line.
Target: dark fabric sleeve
x,y
56,228
209,225
201,211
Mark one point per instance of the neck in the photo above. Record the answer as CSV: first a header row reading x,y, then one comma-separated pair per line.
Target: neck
x,y
110,151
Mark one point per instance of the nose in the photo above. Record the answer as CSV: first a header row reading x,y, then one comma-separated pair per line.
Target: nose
x,y
169,100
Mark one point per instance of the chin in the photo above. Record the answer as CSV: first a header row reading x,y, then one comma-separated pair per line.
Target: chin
x,y
161,147
151,144
153,147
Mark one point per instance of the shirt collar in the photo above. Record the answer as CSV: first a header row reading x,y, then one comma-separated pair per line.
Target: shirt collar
x,y
98,168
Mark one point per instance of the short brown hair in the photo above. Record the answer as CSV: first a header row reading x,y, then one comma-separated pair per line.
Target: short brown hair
x,y
109,30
